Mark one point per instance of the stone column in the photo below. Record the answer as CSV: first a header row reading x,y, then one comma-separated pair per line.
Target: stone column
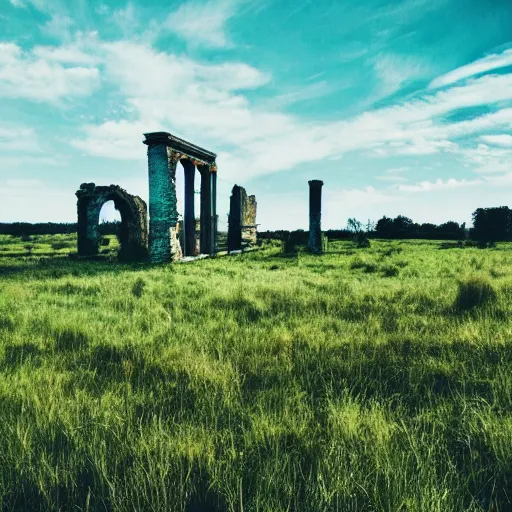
x,y
189,216
163,213
235,219
315,214
213,174
206,210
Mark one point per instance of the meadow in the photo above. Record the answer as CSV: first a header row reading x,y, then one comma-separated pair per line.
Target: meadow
x,y
376,379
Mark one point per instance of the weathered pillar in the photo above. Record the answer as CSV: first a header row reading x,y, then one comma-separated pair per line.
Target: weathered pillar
x,y
189,217
163,213
315,214
235,219
213,174
206,209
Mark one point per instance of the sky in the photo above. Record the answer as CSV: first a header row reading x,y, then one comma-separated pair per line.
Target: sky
x,y
400,107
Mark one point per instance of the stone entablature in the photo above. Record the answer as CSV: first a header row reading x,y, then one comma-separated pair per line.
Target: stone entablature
x,y
164,152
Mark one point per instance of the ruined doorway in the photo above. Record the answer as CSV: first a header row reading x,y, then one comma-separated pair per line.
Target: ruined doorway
x,y
133,231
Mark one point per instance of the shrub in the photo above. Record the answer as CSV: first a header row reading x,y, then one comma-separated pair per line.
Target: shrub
x,y
474,292
366,266
138,287
392,250
361,239
391,271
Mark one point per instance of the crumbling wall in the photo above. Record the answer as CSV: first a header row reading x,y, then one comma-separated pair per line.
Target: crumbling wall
x,y
134,221
242,227
249,226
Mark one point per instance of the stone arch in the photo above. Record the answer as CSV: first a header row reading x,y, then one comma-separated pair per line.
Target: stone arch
x,y
134,221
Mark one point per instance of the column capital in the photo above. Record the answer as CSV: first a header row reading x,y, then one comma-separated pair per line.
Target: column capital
x,y
174,156
315,183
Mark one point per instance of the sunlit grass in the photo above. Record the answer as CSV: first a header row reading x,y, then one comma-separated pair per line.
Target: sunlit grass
x,y
364,379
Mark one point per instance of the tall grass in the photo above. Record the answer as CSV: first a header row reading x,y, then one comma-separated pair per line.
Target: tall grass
x,y
375,379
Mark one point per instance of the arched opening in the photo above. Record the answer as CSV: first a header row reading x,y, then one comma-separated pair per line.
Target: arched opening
x,y
109,227
133,235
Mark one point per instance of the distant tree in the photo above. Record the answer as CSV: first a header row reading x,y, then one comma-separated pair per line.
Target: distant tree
x,y
427,230
360,237
354,225
384,228
492,225
370,226
402,227
450,231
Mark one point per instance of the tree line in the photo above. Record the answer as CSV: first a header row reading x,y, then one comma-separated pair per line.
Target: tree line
x,y
490,225
52,228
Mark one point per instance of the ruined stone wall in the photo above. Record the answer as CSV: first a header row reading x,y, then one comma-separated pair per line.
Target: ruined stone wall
x,y
242,230
249,227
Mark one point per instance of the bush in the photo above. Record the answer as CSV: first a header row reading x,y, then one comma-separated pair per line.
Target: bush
x,y
474,292
361,239
392,250
366,266
391,271
138,287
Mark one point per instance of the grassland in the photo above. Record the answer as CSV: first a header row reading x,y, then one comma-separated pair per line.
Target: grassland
x,y
372,379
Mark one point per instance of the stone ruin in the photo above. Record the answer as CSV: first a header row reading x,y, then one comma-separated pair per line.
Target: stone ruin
x,y
315,216
134,221
242,227
167,240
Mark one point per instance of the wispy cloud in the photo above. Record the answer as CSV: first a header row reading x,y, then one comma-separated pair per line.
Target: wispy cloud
x,y
498,140
26,75
59,27
488,63
394,174
203,23
214,111
126,19
18,3
439,184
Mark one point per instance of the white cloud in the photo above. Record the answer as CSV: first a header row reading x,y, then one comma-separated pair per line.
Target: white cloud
x,y
18,3
498,140
214,113
65,54
393,71
439,184
203,23
394,175
488,63
126,19
25,75
485,159
120,140
59,26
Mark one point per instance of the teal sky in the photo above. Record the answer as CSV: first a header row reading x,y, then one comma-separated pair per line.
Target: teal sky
x,y
400,107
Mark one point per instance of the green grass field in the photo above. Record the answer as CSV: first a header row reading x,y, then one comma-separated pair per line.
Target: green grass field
x,y
372,379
